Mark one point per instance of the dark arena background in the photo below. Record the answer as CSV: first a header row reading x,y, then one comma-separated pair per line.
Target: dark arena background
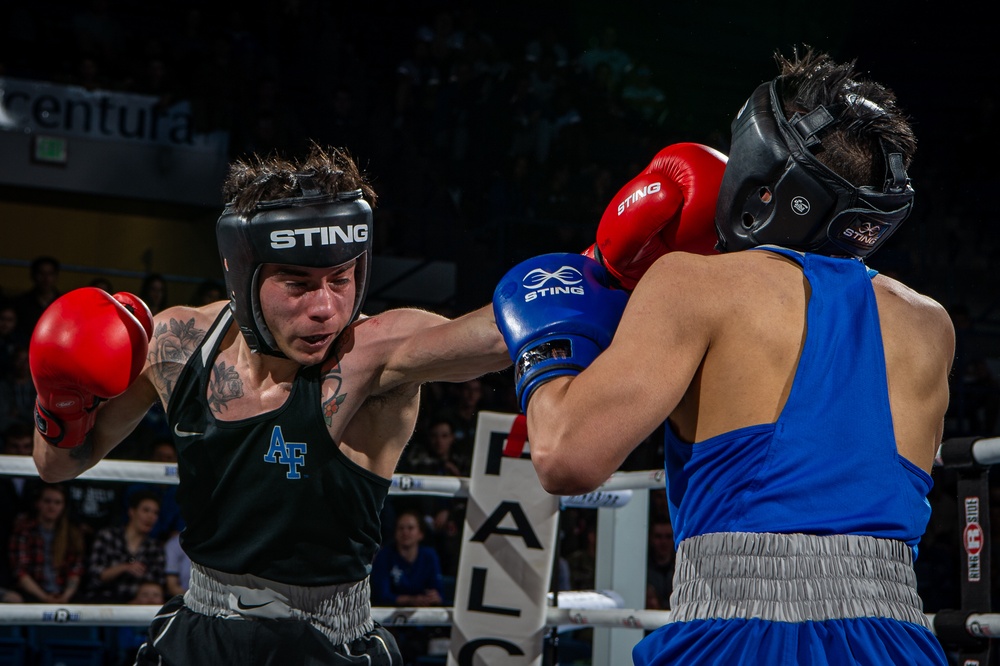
x,y
492,132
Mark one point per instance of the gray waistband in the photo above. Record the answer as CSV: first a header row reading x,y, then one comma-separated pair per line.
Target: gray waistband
x,y
794,578
341,612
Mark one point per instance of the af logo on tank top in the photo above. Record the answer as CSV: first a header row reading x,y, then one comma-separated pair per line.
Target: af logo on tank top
x,y
281,452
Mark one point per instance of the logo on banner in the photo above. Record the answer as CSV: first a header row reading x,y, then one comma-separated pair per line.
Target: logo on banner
x,y
972,540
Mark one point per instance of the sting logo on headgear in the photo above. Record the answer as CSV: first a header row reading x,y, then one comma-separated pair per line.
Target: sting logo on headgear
x,y
775,192
315,230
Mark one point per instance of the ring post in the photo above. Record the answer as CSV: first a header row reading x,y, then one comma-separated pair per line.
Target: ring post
x,y
952,627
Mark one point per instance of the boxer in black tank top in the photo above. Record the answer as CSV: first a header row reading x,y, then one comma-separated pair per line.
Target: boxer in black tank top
x,y
290,410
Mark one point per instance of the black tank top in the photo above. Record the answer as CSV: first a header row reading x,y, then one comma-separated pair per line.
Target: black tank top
x,y
270,495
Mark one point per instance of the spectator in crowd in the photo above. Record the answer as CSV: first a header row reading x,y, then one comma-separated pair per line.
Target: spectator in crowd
x,y
643,99
207,291
604,50
94,505
16,493
406,573
169,521
44,272
123,556
10,338
177,567
583,560
148,593
435,455
153,292
463,414
10,596
46,551
102,283
445,533
17,392
660,564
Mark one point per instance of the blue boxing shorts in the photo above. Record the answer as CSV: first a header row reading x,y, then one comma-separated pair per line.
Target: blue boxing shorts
x,y
794,599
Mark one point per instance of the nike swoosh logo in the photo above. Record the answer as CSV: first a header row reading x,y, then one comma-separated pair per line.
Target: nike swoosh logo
x,y
243,606
185,433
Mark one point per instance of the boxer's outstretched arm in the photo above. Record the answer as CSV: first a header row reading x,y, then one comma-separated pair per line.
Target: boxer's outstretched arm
x,y
420,346
582,428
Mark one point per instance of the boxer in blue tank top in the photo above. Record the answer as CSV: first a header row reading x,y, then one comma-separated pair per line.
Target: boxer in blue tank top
x,y
289,410
804,395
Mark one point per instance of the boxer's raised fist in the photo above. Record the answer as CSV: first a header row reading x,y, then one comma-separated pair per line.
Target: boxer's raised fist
x,y
669,206
557,314
87,346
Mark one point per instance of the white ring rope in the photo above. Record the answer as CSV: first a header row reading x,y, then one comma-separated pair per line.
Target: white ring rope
x,y
402,484
129,615
984,451
572,605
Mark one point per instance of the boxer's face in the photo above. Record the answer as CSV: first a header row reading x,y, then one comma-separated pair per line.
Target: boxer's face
x,y
307,308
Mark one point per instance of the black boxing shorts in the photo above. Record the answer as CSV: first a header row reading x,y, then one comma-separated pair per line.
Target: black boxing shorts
x,y
179,636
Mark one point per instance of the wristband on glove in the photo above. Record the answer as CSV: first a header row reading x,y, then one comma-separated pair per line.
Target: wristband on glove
x,y
66,434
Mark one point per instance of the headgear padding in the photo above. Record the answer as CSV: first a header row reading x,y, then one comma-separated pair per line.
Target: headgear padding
x,y
775,192
314,231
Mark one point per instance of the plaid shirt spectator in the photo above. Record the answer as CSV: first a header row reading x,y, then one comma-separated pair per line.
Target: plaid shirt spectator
x,y
27,556
109,549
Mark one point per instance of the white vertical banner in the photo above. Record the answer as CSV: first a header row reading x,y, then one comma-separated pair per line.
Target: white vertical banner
x,y
508,547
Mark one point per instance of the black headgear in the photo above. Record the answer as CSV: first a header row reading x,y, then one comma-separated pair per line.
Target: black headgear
x,y
775,192
315,230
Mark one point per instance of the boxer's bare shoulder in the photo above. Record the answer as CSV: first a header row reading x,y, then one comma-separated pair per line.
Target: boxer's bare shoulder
x,y
177,332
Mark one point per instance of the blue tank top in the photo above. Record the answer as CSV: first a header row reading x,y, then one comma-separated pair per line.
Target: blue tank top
x,y
829,464
271,495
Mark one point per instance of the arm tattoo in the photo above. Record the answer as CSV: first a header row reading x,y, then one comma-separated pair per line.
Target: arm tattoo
x,y
83,453
331,406
225,385
173,344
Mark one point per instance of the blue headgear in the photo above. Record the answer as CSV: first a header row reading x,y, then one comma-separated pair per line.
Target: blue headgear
x,y
315,230
775,192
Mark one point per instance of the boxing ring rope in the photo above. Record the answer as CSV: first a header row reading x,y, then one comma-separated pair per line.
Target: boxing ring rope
x,y
576,616
576,609
971,457
130,471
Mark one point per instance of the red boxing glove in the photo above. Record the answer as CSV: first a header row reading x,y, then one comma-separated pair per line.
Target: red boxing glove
x,y
669,206
86,347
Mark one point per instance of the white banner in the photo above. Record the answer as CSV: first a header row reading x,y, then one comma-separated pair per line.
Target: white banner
x,y
508,547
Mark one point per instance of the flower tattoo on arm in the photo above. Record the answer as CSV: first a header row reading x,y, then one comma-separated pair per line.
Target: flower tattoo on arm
x,y
225,385
331,406
172,345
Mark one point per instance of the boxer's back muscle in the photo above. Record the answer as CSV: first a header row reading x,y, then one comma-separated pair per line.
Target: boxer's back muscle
x,y
747,373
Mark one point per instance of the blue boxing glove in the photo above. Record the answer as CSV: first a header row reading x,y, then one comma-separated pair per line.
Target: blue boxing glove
x,y
556,313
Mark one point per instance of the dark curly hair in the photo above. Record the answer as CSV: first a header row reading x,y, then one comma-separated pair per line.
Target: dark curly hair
x,y
868,114
257,178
